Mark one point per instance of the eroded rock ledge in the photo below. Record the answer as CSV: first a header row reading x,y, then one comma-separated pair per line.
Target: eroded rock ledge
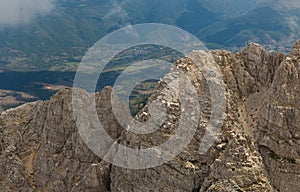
x,y
257,150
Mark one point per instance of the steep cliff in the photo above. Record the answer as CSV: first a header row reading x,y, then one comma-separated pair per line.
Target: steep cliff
x,y
257,148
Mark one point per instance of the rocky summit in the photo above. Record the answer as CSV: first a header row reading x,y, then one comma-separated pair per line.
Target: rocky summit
x,y
256,149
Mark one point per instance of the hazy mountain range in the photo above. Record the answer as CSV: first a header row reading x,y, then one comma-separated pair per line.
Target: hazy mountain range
x,y
53,35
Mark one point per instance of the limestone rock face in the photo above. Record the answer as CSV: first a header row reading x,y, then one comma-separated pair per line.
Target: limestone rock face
x,y
41,149
255,149
278,125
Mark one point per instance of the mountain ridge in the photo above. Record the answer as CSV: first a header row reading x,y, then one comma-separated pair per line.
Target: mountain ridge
x,y
257,149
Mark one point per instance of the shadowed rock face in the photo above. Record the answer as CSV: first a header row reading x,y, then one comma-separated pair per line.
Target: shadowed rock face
x,y
257,148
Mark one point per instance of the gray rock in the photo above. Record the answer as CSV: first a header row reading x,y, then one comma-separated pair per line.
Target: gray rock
x,y
257,148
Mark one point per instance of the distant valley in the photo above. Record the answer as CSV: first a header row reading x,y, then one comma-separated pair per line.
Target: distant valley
x,y
57,41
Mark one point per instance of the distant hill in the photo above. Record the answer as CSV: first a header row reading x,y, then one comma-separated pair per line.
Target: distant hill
x,y
264,25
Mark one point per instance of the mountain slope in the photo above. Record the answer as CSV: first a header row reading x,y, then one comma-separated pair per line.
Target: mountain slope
x,y
256,150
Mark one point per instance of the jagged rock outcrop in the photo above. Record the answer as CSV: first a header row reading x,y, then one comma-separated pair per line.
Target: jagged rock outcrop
x,y
278,125
257,148
41,149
